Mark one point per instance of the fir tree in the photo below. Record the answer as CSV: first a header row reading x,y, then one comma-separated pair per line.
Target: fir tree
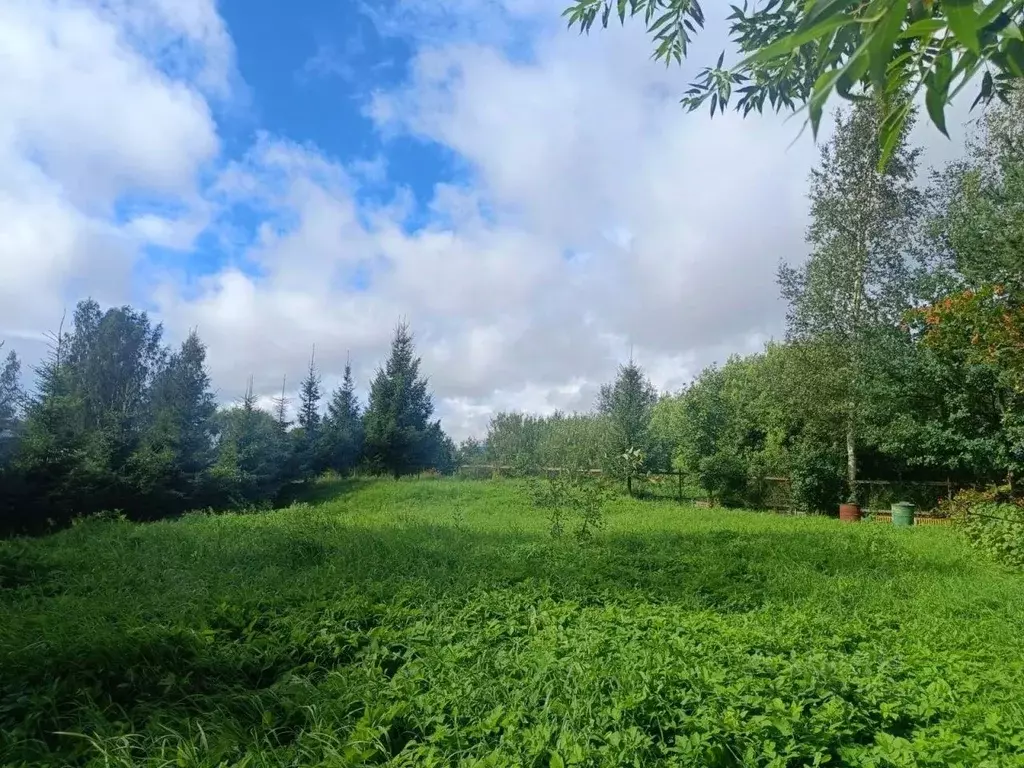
x,y
179,448
399,436
307,436
628,404
344,427
10,405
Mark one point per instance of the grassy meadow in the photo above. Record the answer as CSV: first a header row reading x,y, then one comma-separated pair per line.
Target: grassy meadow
x,y
437,623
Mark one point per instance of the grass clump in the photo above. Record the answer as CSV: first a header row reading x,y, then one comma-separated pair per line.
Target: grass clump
x,y
439,623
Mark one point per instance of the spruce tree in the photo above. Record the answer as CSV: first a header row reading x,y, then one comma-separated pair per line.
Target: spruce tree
x,y
179,445
10,405
628,404
251,460
281,404
343,430
307,437
400,438
53,441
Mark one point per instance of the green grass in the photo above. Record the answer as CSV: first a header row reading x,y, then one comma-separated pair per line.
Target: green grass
x,y
437,623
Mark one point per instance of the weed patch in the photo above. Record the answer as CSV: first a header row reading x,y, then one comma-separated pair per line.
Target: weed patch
x,y
440,623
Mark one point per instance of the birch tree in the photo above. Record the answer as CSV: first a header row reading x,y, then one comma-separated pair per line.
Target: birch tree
x,y
857,282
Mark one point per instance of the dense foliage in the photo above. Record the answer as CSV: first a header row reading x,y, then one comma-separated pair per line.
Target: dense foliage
x,y
118,422
992,520
798,53
615,438
438,623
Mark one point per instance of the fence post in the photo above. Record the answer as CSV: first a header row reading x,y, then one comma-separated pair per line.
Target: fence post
x,y
629,484
680,476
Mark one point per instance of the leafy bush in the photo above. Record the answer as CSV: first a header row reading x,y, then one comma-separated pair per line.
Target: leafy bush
x,y
724,477
818,484
992,520
573,497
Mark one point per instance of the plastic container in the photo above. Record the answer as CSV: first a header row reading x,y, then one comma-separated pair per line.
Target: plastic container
x,y
903,514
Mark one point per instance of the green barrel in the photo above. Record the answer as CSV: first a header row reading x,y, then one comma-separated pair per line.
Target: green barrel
x,y
903,513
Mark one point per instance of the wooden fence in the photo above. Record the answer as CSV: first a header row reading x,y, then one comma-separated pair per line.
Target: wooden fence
x,y
776,493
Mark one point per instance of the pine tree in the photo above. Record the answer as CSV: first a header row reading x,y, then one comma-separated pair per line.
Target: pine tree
x,y
399,436
857,281
343,431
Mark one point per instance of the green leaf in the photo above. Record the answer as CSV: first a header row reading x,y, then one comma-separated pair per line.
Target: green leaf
x,y
883,37
937,89
963,22
968,64
890,131
1012,31
819,95
1015,57
985,94
793,41
816,11
923,29
556,761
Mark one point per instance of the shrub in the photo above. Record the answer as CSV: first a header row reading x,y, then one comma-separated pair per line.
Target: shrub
x,y
573,497
992,520
818,484
724,477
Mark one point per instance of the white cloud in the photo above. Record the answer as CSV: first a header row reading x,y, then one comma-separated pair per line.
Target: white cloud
x,y
598,217
93,112
584,150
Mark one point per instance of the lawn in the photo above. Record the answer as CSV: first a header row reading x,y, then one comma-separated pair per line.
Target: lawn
x,y
438,623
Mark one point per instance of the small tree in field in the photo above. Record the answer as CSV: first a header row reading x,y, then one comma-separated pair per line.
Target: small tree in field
x,y
627,405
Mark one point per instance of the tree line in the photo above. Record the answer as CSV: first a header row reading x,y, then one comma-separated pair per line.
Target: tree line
x,y
903,357
119,421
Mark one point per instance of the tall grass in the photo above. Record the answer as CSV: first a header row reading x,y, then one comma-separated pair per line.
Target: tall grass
x,y
437,623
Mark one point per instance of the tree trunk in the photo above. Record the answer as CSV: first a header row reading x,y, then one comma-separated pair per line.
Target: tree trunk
x,y
851,455
854,373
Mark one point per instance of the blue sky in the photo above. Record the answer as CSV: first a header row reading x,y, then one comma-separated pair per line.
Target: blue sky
x,y
283,175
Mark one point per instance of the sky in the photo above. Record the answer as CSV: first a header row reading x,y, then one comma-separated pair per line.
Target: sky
x,y
534,203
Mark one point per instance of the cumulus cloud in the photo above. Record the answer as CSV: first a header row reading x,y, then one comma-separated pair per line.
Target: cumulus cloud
x,y
89,119
595,216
